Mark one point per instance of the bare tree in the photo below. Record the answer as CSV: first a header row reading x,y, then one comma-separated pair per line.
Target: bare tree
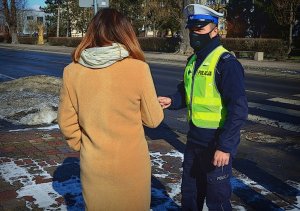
x,y
162,15
21,14
184,45
11,19
285,15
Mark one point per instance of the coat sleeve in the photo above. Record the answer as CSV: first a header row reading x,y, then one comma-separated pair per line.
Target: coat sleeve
x,y
151,111
178,98
68,117
232,89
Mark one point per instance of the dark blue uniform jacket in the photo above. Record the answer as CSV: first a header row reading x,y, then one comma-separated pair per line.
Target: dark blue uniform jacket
x,y
229,78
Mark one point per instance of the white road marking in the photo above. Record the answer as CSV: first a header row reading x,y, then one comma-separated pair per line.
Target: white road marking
x,y
263,93
284,100
6,76
274,123
297,95
274,109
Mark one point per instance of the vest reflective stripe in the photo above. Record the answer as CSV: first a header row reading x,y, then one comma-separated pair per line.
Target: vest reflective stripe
x,y
205,106
206,116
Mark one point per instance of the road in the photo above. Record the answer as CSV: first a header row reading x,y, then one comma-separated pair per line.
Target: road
x,y
269,151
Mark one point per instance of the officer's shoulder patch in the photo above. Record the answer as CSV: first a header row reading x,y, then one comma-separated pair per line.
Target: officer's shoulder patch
x,y
227,56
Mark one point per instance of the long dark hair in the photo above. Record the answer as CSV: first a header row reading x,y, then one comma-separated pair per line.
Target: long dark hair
x,y
106,27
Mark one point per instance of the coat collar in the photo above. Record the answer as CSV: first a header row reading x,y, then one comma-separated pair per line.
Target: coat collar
x,y
203,53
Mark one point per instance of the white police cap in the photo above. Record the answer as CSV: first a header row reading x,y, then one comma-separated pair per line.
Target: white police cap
x,y
200,15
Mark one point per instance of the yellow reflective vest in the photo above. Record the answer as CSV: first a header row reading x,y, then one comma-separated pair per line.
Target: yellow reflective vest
x,y
204,103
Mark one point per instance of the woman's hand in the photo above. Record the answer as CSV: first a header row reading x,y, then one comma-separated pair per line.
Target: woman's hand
x,y
164,102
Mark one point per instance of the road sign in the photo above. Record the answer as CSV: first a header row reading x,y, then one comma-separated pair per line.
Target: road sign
x,y
103,3
90,3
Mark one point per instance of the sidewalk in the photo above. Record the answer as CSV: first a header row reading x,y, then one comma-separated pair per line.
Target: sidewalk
x,y
38,171
269,68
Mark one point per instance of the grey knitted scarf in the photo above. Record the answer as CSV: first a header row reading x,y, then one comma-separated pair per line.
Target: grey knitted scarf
x,y
100,57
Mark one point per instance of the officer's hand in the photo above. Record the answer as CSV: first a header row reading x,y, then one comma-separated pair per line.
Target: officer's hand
x,y
165,102
221,158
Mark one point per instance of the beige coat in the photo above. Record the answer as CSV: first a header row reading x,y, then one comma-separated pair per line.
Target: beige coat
x,y
101,114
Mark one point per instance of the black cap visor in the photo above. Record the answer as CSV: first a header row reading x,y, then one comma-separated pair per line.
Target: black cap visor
x,y
196,24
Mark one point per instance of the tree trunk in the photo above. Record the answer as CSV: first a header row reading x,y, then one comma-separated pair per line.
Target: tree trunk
x,y
6,34
6,11
11,19
290,39
184,44
14,36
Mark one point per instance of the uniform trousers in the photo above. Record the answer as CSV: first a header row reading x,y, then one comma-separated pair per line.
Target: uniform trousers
x,y
202,181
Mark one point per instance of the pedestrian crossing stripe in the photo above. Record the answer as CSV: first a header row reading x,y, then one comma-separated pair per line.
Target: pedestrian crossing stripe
x,y
284,100
274,123
256,92
274,109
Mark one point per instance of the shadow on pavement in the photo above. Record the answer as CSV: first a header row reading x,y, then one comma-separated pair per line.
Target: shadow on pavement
x,y
163,131
66,181
159,197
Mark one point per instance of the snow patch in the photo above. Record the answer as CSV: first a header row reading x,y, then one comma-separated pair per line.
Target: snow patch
x,y
173,189
45,115
44,194
52,127
30,100
238,208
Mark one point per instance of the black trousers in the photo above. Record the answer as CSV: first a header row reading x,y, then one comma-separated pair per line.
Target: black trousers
x,y
201,180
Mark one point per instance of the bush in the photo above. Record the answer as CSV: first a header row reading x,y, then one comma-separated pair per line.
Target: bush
x,y
272,48
5,38
28,40
159,44
65,41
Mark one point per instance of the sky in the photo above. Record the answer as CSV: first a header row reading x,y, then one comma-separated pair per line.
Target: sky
x,y
35,4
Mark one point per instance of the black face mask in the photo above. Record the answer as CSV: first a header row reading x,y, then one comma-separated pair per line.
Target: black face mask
x,y
199,41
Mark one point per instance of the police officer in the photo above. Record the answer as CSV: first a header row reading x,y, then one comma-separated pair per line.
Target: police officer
x,y
213,92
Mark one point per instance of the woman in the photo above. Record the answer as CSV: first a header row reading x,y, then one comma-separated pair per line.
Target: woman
x,y
107,96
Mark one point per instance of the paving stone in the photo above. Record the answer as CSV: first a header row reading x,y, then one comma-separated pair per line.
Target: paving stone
x,y
40,179
72,154
7,195
13,205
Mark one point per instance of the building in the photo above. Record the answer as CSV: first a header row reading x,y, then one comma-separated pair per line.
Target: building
x,y
26,21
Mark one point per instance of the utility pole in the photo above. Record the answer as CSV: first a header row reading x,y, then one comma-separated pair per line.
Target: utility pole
x,y
95,6
58,14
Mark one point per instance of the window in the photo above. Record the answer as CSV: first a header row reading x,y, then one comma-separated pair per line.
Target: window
x,y
40,19
29,18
